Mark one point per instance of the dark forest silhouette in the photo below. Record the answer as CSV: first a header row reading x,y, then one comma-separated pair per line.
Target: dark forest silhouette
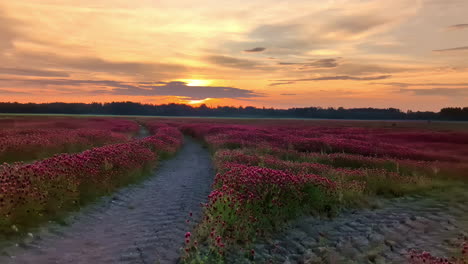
x,y
131,108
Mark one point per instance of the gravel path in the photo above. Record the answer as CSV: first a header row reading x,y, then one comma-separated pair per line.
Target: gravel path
x,y
381,235
143,223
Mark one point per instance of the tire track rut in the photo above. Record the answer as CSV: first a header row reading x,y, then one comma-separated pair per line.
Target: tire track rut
x,y
143,223
382,235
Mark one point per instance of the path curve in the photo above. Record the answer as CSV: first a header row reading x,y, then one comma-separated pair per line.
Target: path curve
x,y
382,235
142,132
143,223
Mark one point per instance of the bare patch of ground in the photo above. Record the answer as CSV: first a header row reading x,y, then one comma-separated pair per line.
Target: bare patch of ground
x,y
381,235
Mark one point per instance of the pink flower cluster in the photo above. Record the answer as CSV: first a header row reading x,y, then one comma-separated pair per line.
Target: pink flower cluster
x,y
351,178
166,138
248,201
38,191
424,257
21,141
271,161
25,145
119,125
249,183
361,141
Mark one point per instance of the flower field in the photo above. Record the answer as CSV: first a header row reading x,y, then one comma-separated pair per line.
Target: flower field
x,y
42,190
269,173
26,139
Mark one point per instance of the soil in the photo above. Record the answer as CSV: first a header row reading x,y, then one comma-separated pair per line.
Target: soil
x,y
381,235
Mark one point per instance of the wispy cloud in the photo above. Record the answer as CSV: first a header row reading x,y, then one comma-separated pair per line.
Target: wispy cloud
x,y
351,78
7,31
321,63
280,83
334,78
258,49
437,91
458,27
96,64
403,84
452,49
33,72
354,25
327,29
3,91
232,62
353,68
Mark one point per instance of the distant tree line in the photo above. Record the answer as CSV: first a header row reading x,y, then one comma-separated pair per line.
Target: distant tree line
x,y
131,108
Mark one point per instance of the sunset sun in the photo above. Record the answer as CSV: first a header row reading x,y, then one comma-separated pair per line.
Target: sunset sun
x,y
196,102
196,82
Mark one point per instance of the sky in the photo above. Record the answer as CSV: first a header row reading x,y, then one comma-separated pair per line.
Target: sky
x,y
408,54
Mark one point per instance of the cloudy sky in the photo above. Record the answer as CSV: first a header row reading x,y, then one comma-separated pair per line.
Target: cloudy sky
x,y
409,54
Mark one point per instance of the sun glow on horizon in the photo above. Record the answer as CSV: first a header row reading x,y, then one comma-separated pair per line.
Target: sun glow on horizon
x,y
196,102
